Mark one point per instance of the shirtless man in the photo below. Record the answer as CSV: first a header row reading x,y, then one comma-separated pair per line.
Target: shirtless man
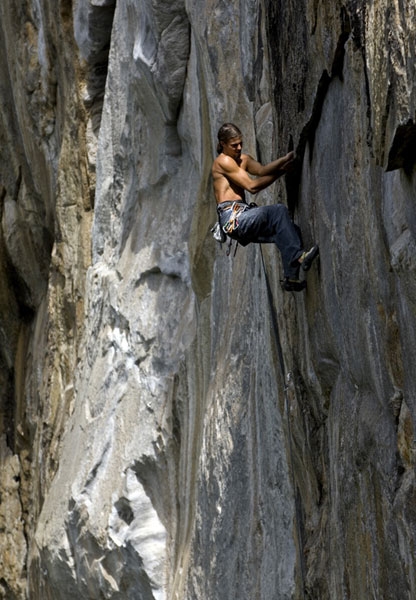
x,y
231,172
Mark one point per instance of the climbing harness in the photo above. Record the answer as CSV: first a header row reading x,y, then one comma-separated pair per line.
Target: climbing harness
x,y
236,209
220,233
286,379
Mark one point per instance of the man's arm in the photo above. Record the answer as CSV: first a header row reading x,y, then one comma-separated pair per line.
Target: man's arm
x,y
278,166
266,175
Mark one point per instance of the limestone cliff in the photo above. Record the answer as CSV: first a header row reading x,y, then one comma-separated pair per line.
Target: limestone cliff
x,y
154,443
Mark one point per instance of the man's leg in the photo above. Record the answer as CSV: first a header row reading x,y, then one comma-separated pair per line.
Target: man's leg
x,y
266,224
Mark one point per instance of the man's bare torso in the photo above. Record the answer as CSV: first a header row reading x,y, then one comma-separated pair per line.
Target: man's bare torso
x,y
224,188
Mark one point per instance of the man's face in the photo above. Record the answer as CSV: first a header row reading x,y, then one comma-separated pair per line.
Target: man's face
x,y
233,147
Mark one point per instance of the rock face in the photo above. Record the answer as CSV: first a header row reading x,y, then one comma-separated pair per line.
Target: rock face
x,y
166,430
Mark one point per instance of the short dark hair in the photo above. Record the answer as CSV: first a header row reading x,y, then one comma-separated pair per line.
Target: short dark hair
x,y
227,132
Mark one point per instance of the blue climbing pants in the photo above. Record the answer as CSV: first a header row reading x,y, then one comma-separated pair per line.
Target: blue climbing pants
x,y
265,225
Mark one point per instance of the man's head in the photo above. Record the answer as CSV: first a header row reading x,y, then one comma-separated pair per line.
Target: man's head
x,y
226,134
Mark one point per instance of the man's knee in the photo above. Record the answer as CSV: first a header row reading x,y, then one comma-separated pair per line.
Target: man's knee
x,y
282,208
281,213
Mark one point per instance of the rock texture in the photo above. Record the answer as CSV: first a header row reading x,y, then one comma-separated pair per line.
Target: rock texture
x,y
154,442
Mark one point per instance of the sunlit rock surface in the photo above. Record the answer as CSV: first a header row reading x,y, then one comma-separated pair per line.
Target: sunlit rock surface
x,y
154,443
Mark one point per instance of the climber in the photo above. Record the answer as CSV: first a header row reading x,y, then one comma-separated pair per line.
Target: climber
x,y
248,223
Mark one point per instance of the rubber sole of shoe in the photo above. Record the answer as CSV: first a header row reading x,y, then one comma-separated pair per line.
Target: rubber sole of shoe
x,y
312,254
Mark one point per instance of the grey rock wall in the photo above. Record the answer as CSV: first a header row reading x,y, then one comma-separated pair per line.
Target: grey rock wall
x,y
152,443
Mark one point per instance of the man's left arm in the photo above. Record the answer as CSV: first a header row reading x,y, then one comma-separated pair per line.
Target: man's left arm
x,y
277,167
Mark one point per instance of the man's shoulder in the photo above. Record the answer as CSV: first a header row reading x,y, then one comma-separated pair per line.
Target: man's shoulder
x,y
245,158
223,161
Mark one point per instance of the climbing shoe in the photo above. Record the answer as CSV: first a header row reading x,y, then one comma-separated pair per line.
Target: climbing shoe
x,y
306,259
293,285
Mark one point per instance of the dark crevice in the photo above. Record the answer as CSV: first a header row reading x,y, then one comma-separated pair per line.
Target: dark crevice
x,y
7,407
338,62
25,300
18,185
385,118
368,95
402,153
307,136
7,590
124,510
97,21
258,64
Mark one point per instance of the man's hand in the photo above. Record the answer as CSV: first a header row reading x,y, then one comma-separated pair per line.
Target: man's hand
x,y
287,162
289,165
